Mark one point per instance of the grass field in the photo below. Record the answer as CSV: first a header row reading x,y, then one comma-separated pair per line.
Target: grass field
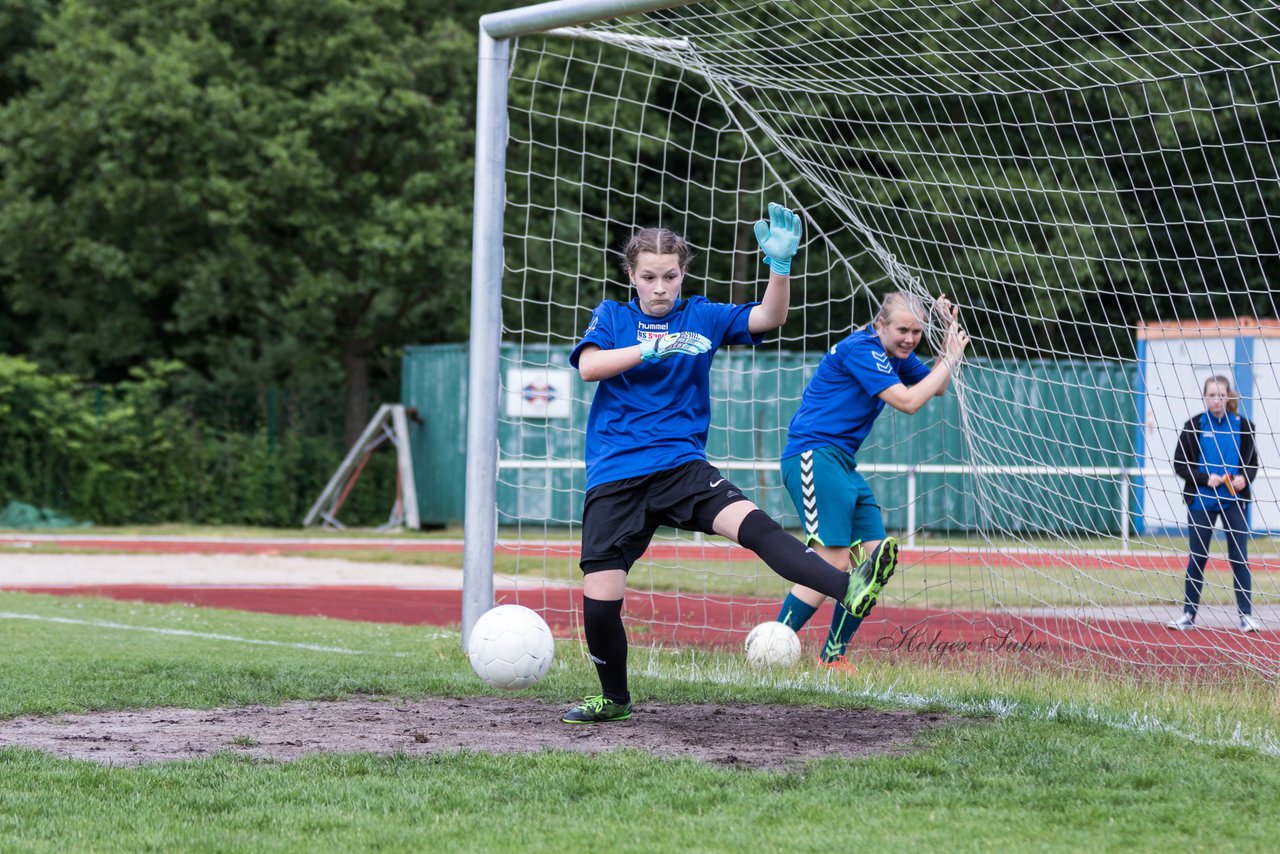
x,y
1065,763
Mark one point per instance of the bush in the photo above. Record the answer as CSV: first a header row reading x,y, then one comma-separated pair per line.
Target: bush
x,y
153,449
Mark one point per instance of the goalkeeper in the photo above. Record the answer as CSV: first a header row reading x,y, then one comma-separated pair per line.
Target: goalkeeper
x,y
874,366
646,439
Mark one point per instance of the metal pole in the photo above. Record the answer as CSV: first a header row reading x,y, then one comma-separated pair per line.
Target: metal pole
x,y
481,512
404,464
1124,511
911,507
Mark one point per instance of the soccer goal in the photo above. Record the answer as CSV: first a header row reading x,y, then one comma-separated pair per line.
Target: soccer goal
x,y
1094,184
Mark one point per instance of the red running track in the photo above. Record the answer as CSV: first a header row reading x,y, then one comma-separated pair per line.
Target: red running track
x,y
722,622
713,551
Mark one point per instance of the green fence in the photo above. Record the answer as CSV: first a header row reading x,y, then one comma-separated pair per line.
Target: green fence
x,y
1022,416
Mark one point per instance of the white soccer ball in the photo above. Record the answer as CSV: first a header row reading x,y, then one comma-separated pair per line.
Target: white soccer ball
x,y
510,647
773,644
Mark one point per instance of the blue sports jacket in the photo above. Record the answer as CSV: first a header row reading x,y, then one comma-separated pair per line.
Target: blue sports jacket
x,y
1189,455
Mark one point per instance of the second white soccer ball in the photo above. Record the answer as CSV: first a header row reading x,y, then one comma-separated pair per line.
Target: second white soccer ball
x,y
510,647
773,644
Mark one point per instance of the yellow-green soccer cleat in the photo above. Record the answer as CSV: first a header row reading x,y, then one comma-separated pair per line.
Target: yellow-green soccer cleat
x,y
869,578
857,553
597,710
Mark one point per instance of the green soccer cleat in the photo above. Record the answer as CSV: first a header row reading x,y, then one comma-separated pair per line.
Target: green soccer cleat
x,y
597,710
869,578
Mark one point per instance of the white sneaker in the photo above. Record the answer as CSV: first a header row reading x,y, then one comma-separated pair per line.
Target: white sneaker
x,y
1248,624
1184,623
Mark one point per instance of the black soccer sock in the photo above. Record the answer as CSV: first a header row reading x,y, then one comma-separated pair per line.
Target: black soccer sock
x,y
788,557
607,643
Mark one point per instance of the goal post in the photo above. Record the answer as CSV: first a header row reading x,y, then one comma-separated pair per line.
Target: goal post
x,y
496,31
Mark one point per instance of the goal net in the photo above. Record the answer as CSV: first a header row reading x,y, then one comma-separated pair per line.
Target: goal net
x,y
1094,184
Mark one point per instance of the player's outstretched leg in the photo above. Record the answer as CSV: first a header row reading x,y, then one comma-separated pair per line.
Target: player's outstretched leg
x,y
869,578
780,551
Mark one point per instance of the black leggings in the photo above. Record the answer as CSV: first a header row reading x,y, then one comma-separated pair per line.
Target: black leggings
x,y
789,557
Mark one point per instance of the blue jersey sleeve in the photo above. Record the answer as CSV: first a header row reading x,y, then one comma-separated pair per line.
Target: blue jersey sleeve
x,y
599,332
913,370
870,366
730,322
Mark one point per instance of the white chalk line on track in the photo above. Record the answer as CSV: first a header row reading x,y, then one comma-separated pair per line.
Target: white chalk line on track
x,y
103,624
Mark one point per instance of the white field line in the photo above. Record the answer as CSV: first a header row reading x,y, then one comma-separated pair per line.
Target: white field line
x,y
103,624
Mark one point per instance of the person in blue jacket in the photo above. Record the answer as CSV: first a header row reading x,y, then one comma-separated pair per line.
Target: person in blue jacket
x,y
875,366
647,434
1218,461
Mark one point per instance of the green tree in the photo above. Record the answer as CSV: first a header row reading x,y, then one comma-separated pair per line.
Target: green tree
x,y
19,21
270,192
1053,173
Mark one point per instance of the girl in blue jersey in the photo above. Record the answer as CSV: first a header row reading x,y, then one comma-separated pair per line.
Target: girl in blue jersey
x,y
874,366
1217,461
647,434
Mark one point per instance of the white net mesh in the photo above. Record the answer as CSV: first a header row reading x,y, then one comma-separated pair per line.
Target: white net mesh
x,y
1092,183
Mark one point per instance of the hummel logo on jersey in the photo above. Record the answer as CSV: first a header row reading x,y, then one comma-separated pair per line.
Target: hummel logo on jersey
x,y
882,362
716,483
650,331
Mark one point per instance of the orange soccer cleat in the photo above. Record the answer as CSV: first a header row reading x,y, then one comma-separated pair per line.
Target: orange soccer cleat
x,y
839,664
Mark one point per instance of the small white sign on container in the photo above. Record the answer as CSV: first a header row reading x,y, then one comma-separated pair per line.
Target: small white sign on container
x,y
538,393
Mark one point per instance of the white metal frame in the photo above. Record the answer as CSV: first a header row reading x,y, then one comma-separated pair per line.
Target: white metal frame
x,y
1125,478
389,423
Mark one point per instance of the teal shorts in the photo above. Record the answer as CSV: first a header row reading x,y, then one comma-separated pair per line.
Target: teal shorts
x,y
835,503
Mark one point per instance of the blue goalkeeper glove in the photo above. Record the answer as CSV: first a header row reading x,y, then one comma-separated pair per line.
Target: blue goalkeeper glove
x,y
779,238
675,344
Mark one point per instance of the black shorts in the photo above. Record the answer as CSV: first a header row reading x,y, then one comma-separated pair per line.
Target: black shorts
x,y
619,518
